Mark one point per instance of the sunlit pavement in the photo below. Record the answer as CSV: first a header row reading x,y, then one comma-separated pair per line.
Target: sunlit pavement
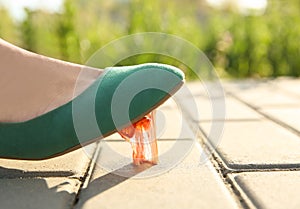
x,y
255,164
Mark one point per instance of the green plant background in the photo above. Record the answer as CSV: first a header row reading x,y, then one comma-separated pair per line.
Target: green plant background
x,y
238,44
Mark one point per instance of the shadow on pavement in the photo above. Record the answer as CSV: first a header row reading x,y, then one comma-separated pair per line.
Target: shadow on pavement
x,y
28,190
9,173
105,182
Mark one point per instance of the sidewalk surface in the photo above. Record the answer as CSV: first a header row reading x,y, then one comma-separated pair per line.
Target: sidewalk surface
x,y
255,163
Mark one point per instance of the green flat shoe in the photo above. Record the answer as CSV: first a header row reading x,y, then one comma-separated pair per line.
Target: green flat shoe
x,y
119,97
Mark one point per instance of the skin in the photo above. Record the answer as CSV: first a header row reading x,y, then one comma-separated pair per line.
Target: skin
x,y
32,84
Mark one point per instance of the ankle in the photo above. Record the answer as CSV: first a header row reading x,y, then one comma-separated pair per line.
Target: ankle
x,y
32,84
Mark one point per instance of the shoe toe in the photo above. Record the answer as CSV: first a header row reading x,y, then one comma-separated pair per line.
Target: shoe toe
x,y
133,91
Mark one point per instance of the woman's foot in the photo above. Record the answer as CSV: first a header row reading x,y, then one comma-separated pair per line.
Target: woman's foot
x,y
31,84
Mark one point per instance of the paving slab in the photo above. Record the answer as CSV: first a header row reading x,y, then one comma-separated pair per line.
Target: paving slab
x,y
261,94
188,185
214,109
288,115
72,164
271,190
38,193
289,85
256,144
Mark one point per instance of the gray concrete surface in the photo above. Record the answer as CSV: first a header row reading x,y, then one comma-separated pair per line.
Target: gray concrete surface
x,y
271,190
188,185
253,144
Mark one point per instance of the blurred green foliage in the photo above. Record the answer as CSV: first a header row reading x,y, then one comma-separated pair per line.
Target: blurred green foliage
x,y
238,44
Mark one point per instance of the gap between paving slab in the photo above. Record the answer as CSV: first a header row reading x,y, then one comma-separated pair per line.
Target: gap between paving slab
x,y
249,165
226,172
189,185
52,183
73,164
260,110
256,145
290,116
218,163
261,94
270,190
233,109
37,193
242,190
108,189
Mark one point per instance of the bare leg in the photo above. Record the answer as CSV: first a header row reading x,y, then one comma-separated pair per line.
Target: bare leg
x,y
31,84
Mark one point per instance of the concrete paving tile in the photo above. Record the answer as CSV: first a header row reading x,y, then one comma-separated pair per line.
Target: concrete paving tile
x,y
188,185
262,94
115,155
255,144
290,116
291,85
214,109
72,164
237,85
271,190
37,193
